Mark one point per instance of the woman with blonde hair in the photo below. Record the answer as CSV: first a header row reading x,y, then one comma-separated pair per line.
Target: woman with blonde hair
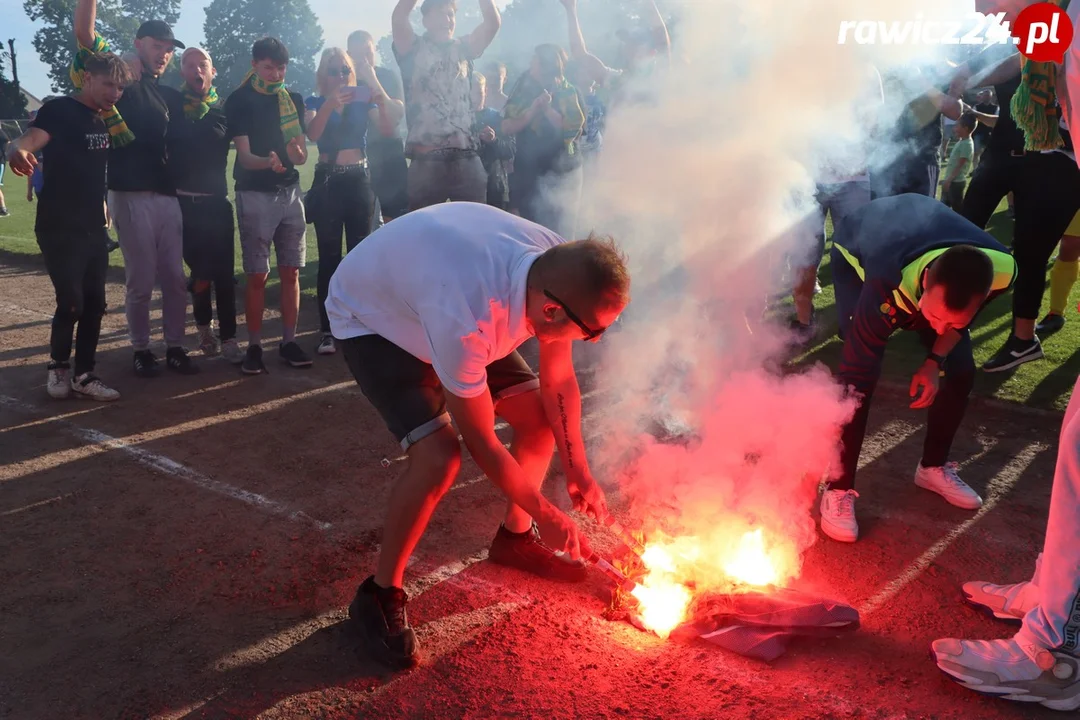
x,y
350,100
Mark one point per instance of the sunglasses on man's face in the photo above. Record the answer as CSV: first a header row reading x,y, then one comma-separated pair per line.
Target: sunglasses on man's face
x,y
339,72
590,334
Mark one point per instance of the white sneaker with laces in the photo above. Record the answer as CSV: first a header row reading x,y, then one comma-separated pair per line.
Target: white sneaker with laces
x,y
946,482
838,515
230,350
59,385
90,387
1012,670
208,342
1006,602
327,346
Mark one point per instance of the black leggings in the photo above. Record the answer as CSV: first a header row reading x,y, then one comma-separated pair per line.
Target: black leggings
x,y
1046,192
209,245
349,206
77,263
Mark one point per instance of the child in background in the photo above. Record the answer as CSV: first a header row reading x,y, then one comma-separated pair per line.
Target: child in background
x,y
961,159
496,149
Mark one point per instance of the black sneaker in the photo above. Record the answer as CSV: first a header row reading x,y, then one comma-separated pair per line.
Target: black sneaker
x,y
1016,352
177,360
112,245
1050,324
802,336
378,615
4,212
146,365
253,362
526,552
294,355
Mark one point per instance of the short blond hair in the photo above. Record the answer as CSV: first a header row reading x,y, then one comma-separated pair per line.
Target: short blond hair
x,y
328,56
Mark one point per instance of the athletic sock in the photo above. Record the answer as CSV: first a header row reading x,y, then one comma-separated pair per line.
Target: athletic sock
x,y
288,335
254,339
1062,279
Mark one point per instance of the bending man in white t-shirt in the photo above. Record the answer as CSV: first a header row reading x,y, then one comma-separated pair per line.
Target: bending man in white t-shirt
x,y
430,311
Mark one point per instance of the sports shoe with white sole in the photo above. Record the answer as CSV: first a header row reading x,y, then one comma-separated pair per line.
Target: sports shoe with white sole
x,y
1012,670
208,342
946,482
230,350
90,387
1005,602
59,385
1015,352
326,345
838,515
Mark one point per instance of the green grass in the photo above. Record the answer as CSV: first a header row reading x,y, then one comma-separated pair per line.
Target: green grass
x,y
1046,384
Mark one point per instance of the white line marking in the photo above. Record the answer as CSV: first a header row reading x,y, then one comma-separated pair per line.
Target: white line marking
x,y
175,469
212,388
998,488
885,440
54,418
421,585
31,506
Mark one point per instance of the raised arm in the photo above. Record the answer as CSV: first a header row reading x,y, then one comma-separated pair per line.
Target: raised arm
x,y
86,22
594,67
388,111
661,38
481,37
403,34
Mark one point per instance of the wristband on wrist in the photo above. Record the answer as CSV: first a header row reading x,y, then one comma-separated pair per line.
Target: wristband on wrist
x,y
939,360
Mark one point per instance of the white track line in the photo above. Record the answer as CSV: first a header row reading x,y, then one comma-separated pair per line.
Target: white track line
x,y
998,488
177,470
885,440
53,418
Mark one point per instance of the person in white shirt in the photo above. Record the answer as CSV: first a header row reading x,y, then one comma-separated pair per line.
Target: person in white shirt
x,y
429,311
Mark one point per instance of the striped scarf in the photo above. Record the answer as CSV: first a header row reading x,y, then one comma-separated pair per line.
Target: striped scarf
x,y
196,105
290,119
119,133
1034,105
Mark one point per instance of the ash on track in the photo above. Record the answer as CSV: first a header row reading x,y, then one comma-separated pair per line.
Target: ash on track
x,y
131,591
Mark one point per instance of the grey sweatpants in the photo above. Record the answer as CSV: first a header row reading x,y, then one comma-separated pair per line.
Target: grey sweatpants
x,y
150,229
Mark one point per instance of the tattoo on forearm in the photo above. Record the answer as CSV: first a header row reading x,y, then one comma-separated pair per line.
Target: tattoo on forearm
x,y
566,432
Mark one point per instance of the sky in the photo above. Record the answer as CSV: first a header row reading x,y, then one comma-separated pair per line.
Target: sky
x,y
337,17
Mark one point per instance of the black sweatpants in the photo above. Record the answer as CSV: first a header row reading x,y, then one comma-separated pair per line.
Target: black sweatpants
x,y
1046,193
947,411
77,263
349,206
209,250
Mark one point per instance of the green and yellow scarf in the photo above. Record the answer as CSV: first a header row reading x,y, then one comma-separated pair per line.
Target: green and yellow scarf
x,y
119,133
565,100
1034,105
290,119
196,105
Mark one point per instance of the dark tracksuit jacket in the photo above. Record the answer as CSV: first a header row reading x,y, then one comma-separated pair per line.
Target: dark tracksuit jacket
x,y
878,258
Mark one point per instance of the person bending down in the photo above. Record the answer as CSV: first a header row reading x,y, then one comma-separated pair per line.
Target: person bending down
x,y
908,262
429,312
1042,662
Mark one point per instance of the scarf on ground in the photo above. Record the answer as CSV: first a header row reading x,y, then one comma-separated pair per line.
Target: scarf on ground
x,y
289,118
1034,105
196,105
119,133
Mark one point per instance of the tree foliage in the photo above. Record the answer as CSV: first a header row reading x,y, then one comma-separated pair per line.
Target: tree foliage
x,y
233,26
12,101
117,21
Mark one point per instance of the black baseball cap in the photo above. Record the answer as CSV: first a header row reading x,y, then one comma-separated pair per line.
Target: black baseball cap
x,y
159,30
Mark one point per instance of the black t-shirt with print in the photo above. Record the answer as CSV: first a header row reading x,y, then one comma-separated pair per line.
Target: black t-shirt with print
x,y
74,164
254,115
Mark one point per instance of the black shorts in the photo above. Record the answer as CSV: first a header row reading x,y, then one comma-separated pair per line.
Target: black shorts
x,y
209,240
407,392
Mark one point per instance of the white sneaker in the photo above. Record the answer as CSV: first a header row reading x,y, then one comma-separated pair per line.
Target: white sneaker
x,y
230,350
327,346
59,385
838,515
88,386
208,342
946,483
1012,670
1006,602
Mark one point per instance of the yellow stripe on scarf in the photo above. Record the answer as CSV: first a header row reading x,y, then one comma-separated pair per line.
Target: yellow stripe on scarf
x,y
119,133
195,105
290,119
1034,104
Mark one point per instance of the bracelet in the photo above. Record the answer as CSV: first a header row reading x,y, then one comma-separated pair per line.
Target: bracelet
x,y
936,359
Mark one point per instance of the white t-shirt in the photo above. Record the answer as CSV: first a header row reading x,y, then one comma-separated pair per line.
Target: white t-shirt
x,y
446,284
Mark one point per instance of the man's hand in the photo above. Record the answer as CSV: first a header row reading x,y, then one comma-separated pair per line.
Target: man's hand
x,y
561,534
542,101
487,135
587,496
275,163
927,377
945,187
22,162
365,73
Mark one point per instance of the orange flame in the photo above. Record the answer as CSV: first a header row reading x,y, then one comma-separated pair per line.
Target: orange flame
x,y
673,565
